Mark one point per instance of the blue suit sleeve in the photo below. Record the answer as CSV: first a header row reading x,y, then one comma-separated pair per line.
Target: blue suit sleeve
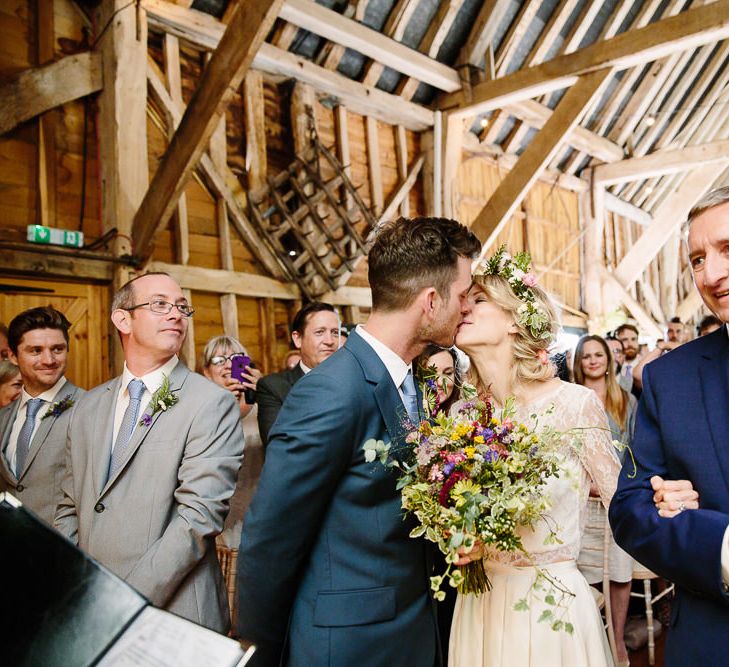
x,y
685,549
309,452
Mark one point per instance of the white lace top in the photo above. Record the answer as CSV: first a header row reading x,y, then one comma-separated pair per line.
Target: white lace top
x,y
590,455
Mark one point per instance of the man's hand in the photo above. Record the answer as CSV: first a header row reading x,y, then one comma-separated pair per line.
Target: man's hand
x,y
671,497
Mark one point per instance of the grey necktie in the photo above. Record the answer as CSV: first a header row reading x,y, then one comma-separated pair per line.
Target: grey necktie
x,y
26,432
136,390
410,397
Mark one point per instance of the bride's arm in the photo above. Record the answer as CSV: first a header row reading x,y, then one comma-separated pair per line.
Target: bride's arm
x,y
596,451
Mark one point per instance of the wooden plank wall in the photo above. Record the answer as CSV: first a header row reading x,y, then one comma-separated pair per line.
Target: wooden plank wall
x,y
19,150
546,225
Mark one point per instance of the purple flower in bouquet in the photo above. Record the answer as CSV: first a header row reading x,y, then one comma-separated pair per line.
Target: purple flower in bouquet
x,y
448,468
490,456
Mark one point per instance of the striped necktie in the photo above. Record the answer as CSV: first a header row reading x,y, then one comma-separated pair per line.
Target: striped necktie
x,y
26,433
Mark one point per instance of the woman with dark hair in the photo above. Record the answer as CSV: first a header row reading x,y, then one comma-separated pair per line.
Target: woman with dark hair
x,y
506,336
594,368
441,365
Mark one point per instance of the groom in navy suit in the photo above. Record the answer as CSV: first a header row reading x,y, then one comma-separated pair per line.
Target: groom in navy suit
x,y
682,433
327,574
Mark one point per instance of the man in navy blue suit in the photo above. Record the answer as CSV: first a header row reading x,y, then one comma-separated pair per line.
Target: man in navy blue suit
x,y
327,574
682,433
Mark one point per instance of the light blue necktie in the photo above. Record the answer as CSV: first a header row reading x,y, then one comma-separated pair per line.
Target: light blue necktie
x,y
26,433
410,397
136,391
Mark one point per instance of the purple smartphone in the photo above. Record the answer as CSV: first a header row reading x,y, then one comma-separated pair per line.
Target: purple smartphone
x,y
239,364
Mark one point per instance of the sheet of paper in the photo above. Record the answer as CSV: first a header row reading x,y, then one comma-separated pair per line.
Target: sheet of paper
x,y
157,638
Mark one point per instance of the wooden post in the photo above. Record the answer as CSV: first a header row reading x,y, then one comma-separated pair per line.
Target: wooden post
x,y
377,200
254,118
593,218
47,123
122,128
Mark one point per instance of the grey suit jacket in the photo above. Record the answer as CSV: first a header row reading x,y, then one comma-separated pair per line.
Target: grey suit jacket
x,y
39,485
154,521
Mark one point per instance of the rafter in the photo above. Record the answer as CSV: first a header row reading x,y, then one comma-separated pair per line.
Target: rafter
x,y
662,162
205,32
668,218
690,29
513,188
40,89
329,24
487,21
248,27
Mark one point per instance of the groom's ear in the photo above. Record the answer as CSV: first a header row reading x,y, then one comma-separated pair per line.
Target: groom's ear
x,y
428,300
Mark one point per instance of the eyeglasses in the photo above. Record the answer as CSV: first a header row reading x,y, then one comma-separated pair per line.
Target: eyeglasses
x,y
164,307
220,359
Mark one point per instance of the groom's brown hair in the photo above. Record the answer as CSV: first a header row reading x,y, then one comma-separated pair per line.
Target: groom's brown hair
x,y
411,254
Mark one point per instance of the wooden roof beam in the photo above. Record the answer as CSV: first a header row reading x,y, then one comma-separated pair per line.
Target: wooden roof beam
x,y
668,218
689,29
40,89
205,31
333,26
645,321
512,190
248,27
487,21
661,163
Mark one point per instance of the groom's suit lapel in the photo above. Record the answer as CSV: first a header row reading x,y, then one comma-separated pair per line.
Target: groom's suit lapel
x,y
177,379
714,383
385,392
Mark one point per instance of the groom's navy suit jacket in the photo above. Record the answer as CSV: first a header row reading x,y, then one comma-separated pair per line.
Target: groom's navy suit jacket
x,y
682,432
326,566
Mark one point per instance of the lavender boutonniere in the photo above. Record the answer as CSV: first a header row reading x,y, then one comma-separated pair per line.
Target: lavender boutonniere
x,y
59,407
162,399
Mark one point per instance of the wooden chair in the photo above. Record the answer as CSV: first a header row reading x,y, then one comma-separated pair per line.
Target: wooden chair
x,y
646,576
228,559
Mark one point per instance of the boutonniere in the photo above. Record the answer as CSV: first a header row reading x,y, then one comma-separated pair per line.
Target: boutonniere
x,y
162,399
59,407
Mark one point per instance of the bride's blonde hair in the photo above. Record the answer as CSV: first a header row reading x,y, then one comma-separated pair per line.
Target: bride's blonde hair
x,y
530,360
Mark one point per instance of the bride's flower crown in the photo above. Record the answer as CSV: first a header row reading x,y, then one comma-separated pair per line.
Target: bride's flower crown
x,y
517,272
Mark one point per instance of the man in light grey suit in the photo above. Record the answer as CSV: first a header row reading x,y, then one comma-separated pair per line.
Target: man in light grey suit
x,y
152,459
33,428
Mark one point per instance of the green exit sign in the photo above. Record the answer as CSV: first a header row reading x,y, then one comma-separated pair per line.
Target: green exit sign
x,y
53,236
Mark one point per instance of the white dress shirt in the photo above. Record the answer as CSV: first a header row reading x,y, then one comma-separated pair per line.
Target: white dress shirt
x,y
395,366
152,382
49,396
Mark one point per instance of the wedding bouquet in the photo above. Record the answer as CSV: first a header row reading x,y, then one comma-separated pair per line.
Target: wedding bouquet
x,y
470,476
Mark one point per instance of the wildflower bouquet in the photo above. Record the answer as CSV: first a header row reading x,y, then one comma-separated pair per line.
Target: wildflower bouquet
x,y
472,476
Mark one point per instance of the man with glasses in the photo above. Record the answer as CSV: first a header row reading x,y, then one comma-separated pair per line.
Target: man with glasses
x,y
152,459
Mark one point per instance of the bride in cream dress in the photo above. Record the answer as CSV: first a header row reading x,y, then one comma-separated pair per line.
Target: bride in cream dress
x,y
506,334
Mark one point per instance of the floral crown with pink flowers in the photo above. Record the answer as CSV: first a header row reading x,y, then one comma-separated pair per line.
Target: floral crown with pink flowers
x,y
517,272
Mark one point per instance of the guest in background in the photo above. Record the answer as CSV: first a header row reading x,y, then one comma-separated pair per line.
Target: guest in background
x,y
628,334
315,333
11,383
33,428
291,360
448,379
4,348
152,459
216,366
594,368
448,376
618,352
676,331
709,324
